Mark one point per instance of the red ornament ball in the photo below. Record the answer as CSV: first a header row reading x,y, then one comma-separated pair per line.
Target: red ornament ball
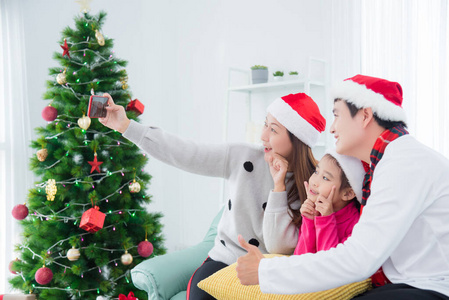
x,y
20,211
49,113
11,267
43,276
145,248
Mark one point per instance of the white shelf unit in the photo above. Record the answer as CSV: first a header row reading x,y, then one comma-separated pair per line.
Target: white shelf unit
x,y
300,85
308,86
278,84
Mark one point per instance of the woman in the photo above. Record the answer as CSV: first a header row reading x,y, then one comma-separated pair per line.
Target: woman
x,y
266,183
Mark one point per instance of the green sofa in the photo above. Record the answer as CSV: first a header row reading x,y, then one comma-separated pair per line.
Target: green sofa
x,y
166,277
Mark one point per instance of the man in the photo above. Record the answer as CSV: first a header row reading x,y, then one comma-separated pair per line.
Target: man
x,y
403,232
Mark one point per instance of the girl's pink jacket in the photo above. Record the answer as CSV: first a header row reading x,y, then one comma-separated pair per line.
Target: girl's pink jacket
x,y
327,232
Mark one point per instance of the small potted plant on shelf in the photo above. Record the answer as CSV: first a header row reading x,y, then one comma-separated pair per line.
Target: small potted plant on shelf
x,y
293,75
278,75
259,74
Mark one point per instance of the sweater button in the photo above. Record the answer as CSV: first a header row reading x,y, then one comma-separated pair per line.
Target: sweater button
x,y
254,242
249,167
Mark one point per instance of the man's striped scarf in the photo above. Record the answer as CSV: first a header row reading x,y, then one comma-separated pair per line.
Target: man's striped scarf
x,y
381,143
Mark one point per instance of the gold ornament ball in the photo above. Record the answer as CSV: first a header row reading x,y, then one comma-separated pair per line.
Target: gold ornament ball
x,y
42,154
73,254
124,86
51,189
99,37
127,258
61,78
84,122
134,187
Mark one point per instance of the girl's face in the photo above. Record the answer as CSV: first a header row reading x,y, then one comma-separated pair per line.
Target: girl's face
x,y
327,174
275,138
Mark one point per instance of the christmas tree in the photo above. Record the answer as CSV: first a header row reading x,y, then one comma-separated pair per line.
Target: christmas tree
x,y
84,223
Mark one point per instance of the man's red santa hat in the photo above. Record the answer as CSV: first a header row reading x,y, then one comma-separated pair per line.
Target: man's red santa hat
x,y
382,96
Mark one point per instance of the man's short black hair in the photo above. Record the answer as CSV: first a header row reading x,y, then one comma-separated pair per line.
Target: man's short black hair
x,y
383,123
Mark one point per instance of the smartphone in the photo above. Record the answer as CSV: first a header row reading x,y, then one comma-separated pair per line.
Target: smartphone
x,y
97,107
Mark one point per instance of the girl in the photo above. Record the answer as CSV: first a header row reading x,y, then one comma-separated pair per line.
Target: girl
x,y
331,209
265,183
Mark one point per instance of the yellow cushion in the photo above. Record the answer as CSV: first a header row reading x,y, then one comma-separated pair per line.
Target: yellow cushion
x,y
224,285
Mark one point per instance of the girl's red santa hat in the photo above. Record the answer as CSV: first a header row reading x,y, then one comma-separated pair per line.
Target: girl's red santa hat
x,y
354,170
300,115
382,96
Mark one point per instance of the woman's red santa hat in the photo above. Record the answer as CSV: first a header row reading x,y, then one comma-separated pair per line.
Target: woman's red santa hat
x,y
300,115
382,96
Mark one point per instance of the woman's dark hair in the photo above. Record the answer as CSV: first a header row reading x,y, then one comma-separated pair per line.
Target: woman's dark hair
x,y
303,163
344,180
383,123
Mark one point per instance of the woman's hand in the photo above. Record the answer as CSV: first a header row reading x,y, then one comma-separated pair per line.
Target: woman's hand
x,y
116,117
278,169
324,204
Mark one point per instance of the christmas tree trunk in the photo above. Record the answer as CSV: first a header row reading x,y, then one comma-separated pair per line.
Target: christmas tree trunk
x,y
87,224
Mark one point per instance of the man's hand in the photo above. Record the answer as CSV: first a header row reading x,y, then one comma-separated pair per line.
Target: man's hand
x,y
248,264
116,116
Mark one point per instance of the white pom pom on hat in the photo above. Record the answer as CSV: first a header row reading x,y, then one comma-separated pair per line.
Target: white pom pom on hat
x,y
382,96
300,115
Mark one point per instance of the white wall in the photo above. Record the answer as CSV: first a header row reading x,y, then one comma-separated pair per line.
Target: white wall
x,y
179,53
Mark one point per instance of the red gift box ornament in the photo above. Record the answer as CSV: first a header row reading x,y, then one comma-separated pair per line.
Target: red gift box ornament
x,y
135,106
92,219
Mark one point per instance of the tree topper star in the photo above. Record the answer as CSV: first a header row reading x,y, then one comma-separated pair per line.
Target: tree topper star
x,y
65,48
85,5
95,164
